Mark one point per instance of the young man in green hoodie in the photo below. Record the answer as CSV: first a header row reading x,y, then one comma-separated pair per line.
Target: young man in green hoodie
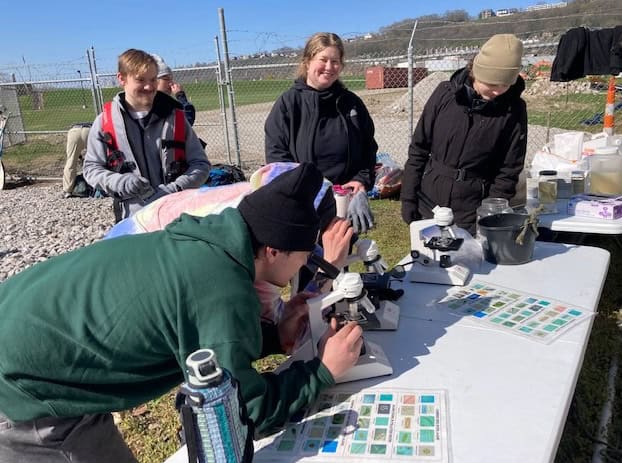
x,y
109,326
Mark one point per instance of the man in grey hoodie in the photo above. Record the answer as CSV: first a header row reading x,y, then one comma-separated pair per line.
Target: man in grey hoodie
x,y
140,160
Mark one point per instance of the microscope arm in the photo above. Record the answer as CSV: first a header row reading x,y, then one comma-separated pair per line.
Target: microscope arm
x,y
316,321
367,252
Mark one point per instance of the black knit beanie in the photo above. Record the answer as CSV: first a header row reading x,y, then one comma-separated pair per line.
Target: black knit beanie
x,y
281,214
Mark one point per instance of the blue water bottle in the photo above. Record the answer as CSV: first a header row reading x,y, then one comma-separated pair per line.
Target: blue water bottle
x,y
215,423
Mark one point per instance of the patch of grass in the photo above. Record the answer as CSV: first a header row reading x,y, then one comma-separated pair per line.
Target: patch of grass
x,y
567,112
152,430
43,155
62,107
577,442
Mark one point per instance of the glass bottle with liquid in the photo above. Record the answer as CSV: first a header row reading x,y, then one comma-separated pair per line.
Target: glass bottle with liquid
x,y
531,192
577,180
547,191
491,206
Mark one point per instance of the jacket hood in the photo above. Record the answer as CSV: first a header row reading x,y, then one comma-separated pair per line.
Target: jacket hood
x,y
460,79
226,231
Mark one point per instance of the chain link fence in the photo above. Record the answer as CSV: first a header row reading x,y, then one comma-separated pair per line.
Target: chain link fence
x,y
42,110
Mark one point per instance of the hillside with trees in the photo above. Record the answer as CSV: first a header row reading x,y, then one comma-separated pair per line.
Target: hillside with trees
x,y
455,28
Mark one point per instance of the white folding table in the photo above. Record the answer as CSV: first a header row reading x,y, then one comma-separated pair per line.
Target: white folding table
x,y
507,396
563,222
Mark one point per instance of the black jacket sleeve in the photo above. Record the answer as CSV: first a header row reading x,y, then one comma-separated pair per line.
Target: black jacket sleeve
x,y
369,148
277,133
504,183
189,110
418,156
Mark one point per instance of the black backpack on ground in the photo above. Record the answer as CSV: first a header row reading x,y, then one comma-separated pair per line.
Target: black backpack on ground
x,y
224,174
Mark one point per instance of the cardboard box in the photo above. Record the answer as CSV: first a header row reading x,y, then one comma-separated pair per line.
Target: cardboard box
x,y
599,207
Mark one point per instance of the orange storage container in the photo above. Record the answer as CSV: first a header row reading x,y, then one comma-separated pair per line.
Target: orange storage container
x,y
388,77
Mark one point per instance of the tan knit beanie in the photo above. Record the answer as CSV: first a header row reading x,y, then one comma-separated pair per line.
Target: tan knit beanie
x,y
499,60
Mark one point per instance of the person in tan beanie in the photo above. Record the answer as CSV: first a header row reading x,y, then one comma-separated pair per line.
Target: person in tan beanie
x,y
471,139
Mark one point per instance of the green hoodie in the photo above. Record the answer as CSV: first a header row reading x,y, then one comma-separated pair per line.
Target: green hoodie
x,y
108,327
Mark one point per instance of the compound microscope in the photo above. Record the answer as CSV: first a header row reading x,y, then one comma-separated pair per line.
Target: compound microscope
x,y
376,281
433,250
347,301
353,297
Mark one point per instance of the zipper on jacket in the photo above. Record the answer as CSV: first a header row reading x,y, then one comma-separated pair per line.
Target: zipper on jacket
x,y
345,121
469,113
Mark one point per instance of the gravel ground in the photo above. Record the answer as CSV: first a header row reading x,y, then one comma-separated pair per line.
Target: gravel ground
x,y
36,223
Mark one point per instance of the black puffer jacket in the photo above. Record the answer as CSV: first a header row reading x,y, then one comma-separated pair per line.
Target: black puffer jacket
x,y
292,127
464,149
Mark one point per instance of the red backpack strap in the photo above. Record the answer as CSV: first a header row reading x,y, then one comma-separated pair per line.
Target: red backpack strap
x,y
108,126
179,135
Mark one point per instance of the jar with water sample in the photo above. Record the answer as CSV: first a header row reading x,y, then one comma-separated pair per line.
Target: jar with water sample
x,y
531,192
605,176
577,181
547,191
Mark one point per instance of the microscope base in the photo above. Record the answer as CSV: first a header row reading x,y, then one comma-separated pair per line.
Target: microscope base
x,y
455,275
371,364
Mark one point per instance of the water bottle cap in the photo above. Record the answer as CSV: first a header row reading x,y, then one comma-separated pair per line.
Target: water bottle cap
x,y
203,368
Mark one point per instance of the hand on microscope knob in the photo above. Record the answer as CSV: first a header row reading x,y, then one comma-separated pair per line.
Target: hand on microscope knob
x,y
339,350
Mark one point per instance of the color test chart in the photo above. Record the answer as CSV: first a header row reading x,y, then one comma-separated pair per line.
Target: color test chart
x,y
372,425
540,319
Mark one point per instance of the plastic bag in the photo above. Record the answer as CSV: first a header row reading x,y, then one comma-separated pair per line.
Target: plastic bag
x,y
569,145
544,160
388,182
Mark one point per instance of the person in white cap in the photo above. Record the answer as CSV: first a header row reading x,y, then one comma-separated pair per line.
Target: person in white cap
x,y
471,139
167,84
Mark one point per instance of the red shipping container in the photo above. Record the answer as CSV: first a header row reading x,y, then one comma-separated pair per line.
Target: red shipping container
x,y
386,77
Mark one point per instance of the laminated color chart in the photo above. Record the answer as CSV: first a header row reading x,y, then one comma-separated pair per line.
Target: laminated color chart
x,y
537,318
372,425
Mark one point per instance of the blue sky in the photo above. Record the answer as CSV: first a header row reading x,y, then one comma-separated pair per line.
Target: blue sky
x,y
40,32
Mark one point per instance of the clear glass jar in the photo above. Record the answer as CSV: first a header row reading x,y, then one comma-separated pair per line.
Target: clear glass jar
x,y
531,193
577,179
491,206
547,191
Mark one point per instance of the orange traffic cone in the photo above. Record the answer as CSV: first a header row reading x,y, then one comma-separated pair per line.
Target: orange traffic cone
x,y
609,107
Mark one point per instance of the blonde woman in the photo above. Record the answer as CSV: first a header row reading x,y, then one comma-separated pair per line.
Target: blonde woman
x,y
319,121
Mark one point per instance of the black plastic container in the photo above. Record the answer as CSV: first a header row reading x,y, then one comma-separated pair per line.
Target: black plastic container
x,y
500,232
